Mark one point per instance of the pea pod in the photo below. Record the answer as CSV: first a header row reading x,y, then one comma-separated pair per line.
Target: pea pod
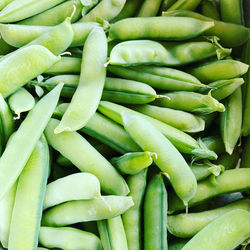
x,y
21,101
214,143
132,217
22,144
155,214
28,208
190,101
183,142
18,10
231,121
214,236
187,225
185,5
68,238
177,244
86,186
209,188
133,163
209,9
164,28
181,120
112,234
149,8
229,161
4,3
87,210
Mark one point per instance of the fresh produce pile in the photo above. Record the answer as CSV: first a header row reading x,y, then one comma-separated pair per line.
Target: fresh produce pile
x,y
124,125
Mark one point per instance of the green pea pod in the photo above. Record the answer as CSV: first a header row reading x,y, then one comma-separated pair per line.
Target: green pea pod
x,y
28,208
24,64
106,131
4,3
155,214
177,244
231,121
132,218
185,5
232,11
214,236
22,144
214,143
190,101
68,238
88,5
6,208
87,210
209,9
187,225
168,157
21,101
179,119
18,10
86,186
86,158
164,28
230,34
149,8
229,161
183,142
56,15
88,93
158,77
210,188
112,233
133,163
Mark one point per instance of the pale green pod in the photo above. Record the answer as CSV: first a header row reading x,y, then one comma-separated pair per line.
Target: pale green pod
x,y
149,8
184,5
79,186
4,3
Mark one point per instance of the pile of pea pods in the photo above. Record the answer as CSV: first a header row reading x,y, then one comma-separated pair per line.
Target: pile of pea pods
x,y
124,125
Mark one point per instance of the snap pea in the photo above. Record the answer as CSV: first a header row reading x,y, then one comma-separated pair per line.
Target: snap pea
x,y
6,208
209,9
165,28
88,93
17,10
229,161
56,15
132,217
187,225
87,210
68,238
106,131
86,186
155,214
21,101
158,77
214,143
27,211
207,189
230,34
85,157
179,119
168,157
225,232
106,9
183,142
185,5
4,3
22,144
231,121
88,5
112,234
166,4
190,101
149,8
133,163
232,11
219,70
23,65
177,244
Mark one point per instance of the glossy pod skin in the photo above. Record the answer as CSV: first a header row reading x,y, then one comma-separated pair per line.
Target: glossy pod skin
x,y
208,188
4,3
14,11
27,211
217,235
112,234
87,210
91,161
133,163
187,225
68,238
149,8
183,142
155,214
168,157
209,9
24,64
168,28
184,5
132,218
22,144
86,186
